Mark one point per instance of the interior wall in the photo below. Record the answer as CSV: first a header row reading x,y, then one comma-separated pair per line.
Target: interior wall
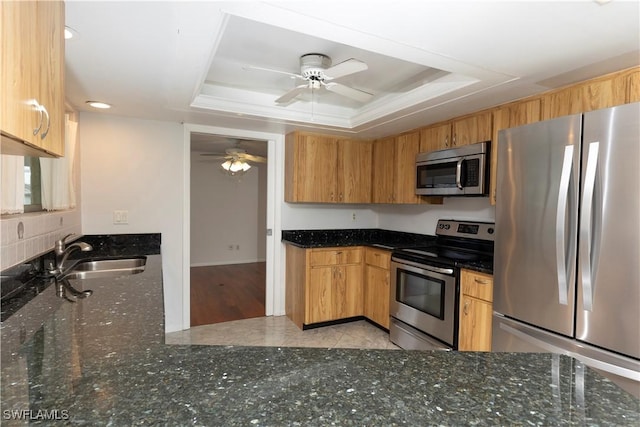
x,y
423,218
228,214
137,165
308,216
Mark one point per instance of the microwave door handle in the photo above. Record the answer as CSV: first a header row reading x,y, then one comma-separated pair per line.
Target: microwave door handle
x,y
459,174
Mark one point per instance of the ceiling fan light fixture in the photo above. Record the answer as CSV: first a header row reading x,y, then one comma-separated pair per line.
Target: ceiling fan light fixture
x,y
234,167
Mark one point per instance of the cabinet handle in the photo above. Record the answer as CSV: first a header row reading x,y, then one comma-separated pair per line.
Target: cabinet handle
x,y
341,196
466,308
38,107
446,141
481,281
44,134
454,139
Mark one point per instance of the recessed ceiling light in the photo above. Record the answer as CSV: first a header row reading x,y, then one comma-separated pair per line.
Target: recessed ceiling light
x,y
98,104
70,33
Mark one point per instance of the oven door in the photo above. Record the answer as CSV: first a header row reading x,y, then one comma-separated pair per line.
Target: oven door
x,y
424,297
455,176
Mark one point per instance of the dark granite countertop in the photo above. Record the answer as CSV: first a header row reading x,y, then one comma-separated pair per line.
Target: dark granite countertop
x,y
385,239
103,361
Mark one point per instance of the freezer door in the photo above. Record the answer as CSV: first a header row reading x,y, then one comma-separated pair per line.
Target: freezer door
x,y
536,223
608,303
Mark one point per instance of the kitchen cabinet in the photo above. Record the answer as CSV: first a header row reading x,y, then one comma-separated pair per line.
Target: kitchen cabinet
x,y
458,132
603,92
323,284
377,285
476,311
394,173
32,78
504,117
327,169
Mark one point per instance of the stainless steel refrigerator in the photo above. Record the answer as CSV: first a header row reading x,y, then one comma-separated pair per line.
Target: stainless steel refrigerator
x,y
567,245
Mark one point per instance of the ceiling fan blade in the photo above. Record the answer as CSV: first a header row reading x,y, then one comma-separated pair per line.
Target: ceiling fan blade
x,y
255,159
215,155
349,92
291,94
271,70
345,68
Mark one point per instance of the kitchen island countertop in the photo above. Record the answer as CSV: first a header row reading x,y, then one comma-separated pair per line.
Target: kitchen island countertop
x,y
103,361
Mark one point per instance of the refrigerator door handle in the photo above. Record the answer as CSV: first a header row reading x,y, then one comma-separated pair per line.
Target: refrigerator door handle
x,y
561,244
586,220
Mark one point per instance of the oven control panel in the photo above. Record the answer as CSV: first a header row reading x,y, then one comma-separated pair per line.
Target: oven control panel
x,y
469,229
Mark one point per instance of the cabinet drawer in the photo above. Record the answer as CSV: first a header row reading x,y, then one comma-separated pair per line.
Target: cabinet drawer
x,y
378,258
476,284
335,256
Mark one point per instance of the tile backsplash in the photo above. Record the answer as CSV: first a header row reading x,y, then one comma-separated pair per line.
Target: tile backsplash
x,y
29,235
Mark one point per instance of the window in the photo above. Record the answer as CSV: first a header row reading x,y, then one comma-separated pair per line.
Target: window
x,y
32,192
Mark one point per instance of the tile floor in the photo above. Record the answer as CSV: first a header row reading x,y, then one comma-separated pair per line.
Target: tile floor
x,y
279,331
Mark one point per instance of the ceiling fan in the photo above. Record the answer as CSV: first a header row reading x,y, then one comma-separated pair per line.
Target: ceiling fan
x,y
236,160
318,73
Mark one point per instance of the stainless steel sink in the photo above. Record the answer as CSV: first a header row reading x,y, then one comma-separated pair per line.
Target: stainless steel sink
x,y
106,267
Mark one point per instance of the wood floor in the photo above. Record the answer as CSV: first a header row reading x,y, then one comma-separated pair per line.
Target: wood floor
x,y
227,292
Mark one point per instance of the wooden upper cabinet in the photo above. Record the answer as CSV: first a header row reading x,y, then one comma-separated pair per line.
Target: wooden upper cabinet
x,y
327,169
354,171
603,92
32,78
471,129
407,147
508,116
383,170
436,137
455,133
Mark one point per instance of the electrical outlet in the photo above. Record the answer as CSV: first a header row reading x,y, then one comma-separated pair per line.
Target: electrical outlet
x,y
121,217
230,247
237,247
353,216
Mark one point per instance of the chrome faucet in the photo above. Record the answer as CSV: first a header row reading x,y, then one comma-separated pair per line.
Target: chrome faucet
x,y
63,251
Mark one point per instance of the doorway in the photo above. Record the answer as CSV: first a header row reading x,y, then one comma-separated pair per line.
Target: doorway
x,y
228,223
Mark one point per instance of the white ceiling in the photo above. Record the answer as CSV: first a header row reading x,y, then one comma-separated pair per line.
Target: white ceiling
x,y
427,60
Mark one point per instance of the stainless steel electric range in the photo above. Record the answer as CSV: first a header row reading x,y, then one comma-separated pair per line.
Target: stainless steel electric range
x,y
425,284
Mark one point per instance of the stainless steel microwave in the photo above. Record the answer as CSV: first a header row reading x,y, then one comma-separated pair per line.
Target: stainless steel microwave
x,y
460,171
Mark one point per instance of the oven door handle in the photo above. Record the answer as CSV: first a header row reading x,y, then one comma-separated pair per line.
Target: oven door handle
x,y
432,268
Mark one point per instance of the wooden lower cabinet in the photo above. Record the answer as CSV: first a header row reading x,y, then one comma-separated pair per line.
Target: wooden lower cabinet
x,y
476,311
323,284
376,286
334,292
326,284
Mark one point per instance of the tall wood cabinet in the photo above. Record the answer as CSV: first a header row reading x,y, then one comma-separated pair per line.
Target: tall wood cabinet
x,y
377,277
32,78
476,311
327,169
394,174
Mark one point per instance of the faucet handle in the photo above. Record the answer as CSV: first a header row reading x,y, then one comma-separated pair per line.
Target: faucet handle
x,y
61,244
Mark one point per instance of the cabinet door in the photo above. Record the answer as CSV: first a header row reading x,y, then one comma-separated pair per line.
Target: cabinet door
x,y
435,137
383,170
18,75
376,295
50,29
475,324
407,147
354,171
310,168
476,128
319,295
632,86
347,291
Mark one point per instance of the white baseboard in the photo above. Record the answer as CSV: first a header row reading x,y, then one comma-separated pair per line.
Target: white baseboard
x,y
213,263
